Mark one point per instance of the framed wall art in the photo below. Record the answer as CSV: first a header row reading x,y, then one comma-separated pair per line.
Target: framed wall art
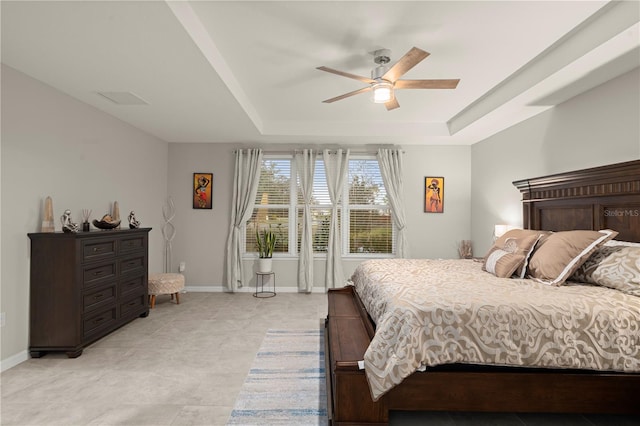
x,y
433,194
202,193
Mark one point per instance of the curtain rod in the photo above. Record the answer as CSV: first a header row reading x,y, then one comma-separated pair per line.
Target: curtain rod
x,y
371,151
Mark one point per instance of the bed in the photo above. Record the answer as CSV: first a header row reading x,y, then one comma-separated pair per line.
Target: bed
x,y
593,199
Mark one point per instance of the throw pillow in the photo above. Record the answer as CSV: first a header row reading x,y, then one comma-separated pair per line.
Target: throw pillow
x,y
559,254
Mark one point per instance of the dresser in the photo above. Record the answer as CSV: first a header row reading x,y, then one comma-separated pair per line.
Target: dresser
x,y
85,285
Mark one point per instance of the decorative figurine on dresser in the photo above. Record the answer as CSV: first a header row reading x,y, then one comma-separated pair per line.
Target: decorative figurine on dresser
x,y
133,222
67,224
84,285
47,214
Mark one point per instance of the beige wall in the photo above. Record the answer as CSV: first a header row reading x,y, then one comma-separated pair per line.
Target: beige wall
x,y
599,127
201,235
53,145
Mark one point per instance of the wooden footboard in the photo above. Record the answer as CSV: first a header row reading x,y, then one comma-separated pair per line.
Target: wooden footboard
x,y
347,337
458,387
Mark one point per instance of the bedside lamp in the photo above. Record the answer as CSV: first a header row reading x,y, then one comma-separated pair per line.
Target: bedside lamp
x,y
500,230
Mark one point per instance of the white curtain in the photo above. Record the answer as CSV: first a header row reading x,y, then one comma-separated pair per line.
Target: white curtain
x,y
245,187
390,161
305,165
336,165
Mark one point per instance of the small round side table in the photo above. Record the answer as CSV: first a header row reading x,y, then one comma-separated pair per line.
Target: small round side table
x,y
270,290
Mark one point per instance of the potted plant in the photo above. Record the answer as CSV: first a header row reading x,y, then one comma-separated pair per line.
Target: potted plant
x,y
266,243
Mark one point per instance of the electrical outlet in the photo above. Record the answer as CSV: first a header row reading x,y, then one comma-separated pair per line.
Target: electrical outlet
x,y
2,319
182,266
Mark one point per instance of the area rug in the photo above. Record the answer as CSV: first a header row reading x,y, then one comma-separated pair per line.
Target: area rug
x,y
286,384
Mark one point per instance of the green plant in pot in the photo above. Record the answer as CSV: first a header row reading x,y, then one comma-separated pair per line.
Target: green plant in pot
x,y
266,242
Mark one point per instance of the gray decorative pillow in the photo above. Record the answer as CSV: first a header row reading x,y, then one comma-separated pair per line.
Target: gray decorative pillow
x,y
614,267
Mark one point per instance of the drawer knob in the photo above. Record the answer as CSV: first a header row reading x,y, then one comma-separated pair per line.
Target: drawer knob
x,y
98,320
97,249
96,273
98,296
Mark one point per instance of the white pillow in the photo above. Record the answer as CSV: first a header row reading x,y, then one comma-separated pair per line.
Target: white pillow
x,y
613,243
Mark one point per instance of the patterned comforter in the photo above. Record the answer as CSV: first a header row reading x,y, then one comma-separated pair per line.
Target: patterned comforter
x,y
430,312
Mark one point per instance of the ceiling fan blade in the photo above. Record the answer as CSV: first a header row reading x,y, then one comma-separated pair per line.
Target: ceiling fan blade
x,y
346,74
346,95
408,61
392,104
426,84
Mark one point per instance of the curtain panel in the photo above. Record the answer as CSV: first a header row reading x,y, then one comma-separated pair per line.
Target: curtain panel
x,y
390,161
245,188
305,166
336,166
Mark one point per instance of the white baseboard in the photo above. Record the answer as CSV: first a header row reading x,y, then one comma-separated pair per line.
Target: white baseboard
x,y
248,289
12,361
204,289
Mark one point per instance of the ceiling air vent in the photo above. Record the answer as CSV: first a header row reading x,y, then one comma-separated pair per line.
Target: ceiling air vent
x,y
124,98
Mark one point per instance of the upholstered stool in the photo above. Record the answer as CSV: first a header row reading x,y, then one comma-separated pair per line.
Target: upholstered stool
x,y
165,283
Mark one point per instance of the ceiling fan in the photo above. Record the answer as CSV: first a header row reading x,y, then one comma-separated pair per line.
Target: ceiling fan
x,y
384,79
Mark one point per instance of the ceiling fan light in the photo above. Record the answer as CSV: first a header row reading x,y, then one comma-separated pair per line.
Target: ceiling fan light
x,y
382,92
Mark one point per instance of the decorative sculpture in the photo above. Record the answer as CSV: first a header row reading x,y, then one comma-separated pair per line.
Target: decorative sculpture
x,y
133,222
67,224
168,231
115,214
47,216
107,222
465,250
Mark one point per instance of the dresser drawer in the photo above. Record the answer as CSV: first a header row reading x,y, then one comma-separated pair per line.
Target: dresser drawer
x,y
135,304
97,321
98,297
132,285
98,249
96,274
132,264
132,244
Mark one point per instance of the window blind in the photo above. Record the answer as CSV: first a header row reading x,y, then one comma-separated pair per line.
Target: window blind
x,y
272,207
370,225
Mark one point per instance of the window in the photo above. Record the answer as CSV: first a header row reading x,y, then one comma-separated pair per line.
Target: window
x,y
364,213
369,219
321,208
272,204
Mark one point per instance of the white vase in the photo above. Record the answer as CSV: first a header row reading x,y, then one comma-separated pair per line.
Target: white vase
x,y
264,264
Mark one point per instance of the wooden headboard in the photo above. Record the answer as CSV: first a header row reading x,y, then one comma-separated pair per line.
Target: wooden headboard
x,y
606,197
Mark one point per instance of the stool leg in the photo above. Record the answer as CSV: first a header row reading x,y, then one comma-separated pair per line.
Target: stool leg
x,y
177,298
153,300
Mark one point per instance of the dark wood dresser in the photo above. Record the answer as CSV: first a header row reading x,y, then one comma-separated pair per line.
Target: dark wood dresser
x,y
85,285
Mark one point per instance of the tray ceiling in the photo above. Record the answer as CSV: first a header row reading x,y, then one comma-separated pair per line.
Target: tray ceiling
x,y
238,71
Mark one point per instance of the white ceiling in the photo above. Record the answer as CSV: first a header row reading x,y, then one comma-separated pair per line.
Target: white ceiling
x,y
237,71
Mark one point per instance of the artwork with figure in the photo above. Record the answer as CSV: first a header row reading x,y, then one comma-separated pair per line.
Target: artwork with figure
x,y
433,194
202,183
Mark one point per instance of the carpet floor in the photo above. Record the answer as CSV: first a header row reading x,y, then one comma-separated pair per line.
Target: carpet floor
x,y
286,383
